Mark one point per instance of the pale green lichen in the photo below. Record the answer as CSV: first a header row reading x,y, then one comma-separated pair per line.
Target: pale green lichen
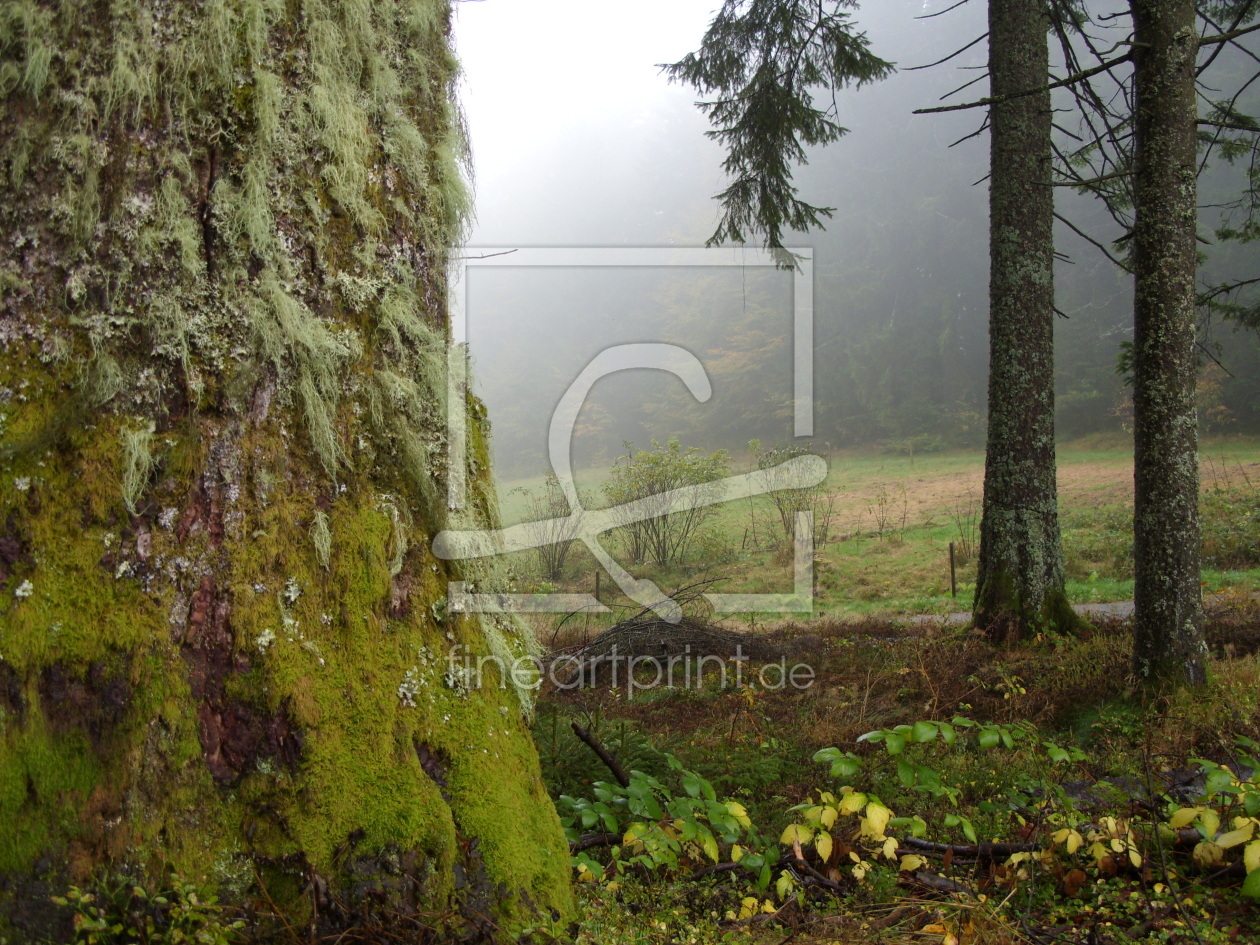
x,y
321,535
138,464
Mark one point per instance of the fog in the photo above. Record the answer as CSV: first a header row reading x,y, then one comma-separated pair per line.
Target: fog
x,y
579,141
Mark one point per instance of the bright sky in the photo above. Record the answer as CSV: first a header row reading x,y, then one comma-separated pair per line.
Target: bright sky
x,y
538,71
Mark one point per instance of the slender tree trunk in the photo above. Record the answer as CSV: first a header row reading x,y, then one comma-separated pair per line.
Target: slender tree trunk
x,y
1168,621
1020,583
223,644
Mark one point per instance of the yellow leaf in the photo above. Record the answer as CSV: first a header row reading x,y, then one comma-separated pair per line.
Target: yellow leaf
x,y
767,906
1235,837
1207,854
876,820
1211,821
748,907
911,862
854,857
852,802
934,927
1135,858
823,845
829,816
1183,817
827,797
737,853
710,847
859,872
795,833
1251,856
1074,841
1117,845
890,848
950,938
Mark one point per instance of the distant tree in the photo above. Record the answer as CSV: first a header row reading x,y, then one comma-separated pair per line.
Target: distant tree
x,y
761,57
763,60
647,477
1020,580
1168,619
553,526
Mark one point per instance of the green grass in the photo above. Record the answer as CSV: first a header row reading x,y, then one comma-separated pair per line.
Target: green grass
x,y
921,502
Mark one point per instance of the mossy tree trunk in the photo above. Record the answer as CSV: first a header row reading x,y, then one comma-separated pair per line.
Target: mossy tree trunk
x,y
1168,619
1020,580
223,642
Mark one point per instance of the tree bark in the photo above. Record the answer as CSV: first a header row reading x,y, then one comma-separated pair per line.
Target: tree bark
x,y
1020,579
1169,646
223,641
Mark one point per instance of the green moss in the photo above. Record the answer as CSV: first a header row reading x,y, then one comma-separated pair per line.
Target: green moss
x,y
238,229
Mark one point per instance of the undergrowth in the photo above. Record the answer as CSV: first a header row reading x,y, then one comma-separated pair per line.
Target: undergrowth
x,y
927,787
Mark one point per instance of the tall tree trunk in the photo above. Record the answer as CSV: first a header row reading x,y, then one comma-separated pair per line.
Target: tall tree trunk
x,y
1168,620
1020,583
222,395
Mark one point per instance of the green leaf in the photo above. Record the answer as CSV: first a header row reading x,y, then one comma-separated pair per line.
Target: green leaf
x,y
989,738
924,731
1251,804
969,831
1251,885
1218,781
905,772
895,743
872,737
948,733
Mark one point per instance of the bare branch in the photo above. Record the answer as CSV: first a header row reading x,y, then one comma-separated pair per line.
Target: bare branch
x,y
1061,83
957,52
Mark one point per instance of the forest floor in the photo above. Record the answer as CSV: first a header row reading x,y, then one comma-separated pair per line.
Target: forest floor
x,y
1114,819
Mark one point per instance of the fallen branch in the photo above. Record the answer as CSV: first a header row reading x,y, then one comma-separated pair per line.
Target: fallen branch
x,y
605,756
980,851
937,883
590,840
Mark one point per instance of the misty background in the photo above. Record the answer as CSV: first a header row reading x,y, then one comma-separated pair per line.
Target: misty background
x,y
578,140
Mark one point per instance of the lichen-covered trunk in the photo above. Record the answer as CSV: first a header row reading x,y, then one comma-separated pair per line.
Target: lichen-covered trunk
x,y
223,641
1168,617
1020,581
